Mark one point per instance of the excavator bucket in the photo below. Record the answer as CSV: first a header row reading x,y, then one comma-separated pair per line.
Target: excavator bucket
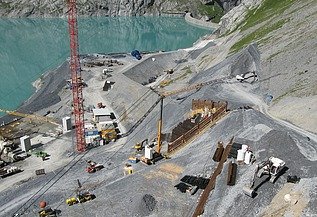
x,y
248,191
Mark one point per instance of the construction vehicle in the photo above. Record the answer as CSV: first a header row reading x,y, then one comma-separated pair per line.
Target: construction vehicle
x,y
140,146
4,172
93,166
247,75
133,160
271,168
81,197
41,154
109,135
100,105
46,211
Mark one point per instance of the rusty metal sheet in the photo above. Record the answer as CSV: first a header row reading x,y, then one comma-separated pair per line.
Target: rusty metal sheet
x,y
187,129
204,196
232,172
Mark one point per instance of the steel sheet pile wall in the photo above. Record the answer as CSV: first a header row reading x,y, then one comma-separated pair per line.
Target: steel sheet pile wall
x,y
186,130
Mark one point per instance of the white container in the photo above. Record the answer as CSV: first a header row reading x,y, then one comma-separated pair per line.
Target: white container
x,y
247,158
240,155
67,125
25,143
244,148
148,152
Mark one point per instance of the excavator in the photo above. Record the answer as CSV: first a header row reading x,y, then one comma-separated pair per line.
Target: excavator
x,y
81,196
46,211
271,168
140,146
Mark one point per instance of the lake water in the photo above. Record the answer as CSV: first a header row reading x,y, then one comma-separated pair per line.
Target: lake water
x,y
30,47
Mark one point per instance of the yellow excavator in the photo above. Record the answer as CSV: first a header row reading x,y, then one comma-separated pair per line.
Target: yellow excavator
x,y
81,196
140,145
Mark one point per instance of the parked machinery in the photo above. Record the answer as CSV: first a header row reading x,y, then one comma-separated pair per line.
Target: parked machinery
x,y
81,196
245,76
46,211
109,135
273,168
4,172
93,166
140,146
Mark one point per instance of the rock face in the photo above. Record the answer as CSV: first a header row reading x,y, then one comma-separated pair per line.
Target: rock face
x,y
48,8
227,5
235,16
58,8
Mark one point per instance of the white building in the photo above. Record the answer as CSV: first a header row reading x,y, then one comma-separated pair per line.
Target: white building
x,y
102,114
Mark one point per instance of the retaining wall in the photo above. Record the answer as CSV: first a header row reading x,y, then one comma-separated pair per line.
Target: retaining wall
x,y
201,23
185,131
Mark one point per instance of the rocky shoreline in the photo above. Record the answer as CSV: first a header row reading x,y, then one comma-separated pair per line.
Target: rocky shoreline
x,y
46,95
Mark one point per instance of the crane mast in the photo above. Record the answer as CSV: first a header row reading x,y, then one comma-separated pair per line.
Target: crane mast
x,y
75,70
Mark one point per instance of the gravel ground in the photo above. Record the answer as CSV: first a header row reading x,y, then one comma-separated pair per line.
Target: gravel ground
x,y
150,190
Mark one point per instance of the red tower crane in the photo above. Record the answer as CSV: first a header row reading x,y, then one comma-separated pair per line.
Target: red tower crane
x,y
76,77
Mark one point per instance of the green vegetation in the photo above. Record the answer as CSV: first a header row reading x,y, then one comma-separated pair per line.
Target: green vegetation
x,y
267,10
214,11
257,35
4,5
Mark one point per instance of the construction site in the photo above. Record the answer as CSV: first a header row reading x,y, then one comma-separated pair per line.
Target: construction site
x,y
155,134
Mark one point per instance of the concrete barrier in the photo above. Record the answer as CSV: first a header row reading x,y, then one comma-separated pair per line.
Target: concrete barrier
x,y
201,23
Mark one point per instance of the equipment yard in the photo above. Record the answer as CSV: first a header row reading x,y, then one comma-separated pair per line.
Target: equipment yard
x,y
166,134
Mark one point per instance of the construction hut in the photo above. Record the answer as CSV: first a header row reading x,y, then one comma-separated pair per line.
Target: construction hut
x,y
102,114
91,133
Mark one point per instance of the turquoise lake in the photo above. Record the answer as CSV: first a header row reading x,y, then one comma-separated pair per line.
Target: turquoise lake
x,y
31,47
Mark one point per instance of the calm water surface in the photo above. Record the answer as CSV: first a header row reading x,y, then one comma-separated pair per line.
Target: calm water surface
x,y
30,47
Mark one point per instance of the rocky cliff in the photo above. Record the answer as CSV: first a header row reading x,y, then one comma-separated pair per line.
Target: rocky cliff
x,y
207,9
